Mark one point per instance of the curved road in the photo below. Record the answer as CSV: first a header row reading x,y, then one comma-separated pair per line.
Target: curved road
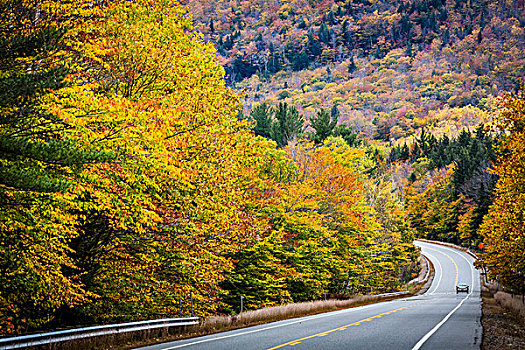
x,y
438,319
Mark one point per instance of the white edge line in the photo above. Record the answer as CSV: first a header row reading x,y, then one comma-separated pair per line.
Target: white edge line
x,y
329,314
422,341
434,330
461,254
440,275
417,346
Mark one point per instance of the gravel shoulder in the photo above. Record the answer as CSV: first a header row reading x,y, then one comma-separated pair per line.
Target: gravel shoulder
x,y
501,328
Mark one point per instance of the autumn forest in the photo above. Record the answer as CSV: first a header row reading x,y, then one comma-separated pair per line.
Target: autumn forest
x,y
153,151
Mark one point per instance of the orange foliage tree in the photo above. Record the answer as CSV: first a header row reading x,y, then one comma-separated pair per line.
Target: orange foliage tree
x,y
504,226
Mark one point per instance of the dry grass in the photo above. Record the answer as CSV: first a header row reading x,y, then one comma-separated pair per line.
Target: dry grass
x,y
501,329
282,312
215,324
515,305
249,318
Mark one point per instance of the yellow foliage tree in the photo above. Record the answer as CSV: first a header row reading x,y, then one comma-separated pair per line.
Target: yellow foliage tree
x,y
503,228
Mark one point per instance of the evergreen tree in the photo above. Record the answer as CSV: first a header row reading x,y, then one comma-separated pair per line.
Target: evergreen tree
x,y
323,124
334,112
344,26
394,154
330,18
228,42
347,37
313,45
432,22
347,134
324,34
262,115
443,14
446,37
289,124
378,53
408,50
405,153
415,152
351,65
34,154
405,24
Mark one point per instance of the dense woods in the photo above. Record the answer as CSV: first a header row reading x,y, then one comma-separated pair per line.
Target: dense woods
x,y
392,67
128,181
277,151
503,227
413,83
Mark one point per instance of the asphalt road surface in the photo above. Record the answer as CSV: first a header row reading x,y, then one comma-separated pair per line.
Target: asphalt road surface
x,y
439,319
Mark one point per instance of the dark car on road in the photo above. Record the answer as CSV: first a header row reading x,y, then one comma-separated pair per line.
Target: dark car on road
x,y
462,287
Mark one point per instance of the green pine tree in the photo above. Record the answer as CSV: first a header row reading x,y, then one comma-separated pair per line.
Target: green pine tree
x,y
288,125
347,134
262,116
323,124
324,34
34,154
351,65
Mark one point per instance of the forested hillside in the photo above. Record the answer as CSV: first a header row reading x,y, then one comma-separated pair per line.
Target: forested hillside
x,y
414,83
392,67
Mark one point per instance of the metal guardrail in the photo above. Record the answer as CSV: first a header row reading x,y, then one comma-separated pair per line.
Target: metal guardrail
x,y
25,341
393,294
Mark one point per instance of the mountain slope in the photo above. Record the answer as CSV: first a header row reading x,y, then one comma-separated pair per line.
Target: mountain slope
x,y
392,67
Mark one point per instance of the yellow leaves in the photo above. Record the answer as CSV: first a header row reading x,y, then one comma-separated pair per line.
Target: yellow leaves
x,y
323,192
465,223
503,226
187,172
35,251
191,186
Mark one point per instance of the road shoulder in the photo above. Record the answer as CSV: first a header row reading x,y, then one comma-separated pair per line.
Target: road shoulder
x,y
501,328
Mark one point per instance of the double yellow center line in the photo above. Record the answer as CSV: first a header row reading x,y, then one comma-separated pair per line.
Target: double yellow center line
x,y
448,256
298,341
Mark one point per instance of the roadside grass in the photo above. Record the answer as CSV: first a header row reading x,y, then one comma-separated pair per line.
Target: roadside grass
x,y
283,312
222,323
217,324
513,304
502,329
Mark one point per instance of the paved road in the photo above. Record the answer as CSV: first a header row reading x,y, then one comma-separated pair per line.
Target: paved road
x,y
439,319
